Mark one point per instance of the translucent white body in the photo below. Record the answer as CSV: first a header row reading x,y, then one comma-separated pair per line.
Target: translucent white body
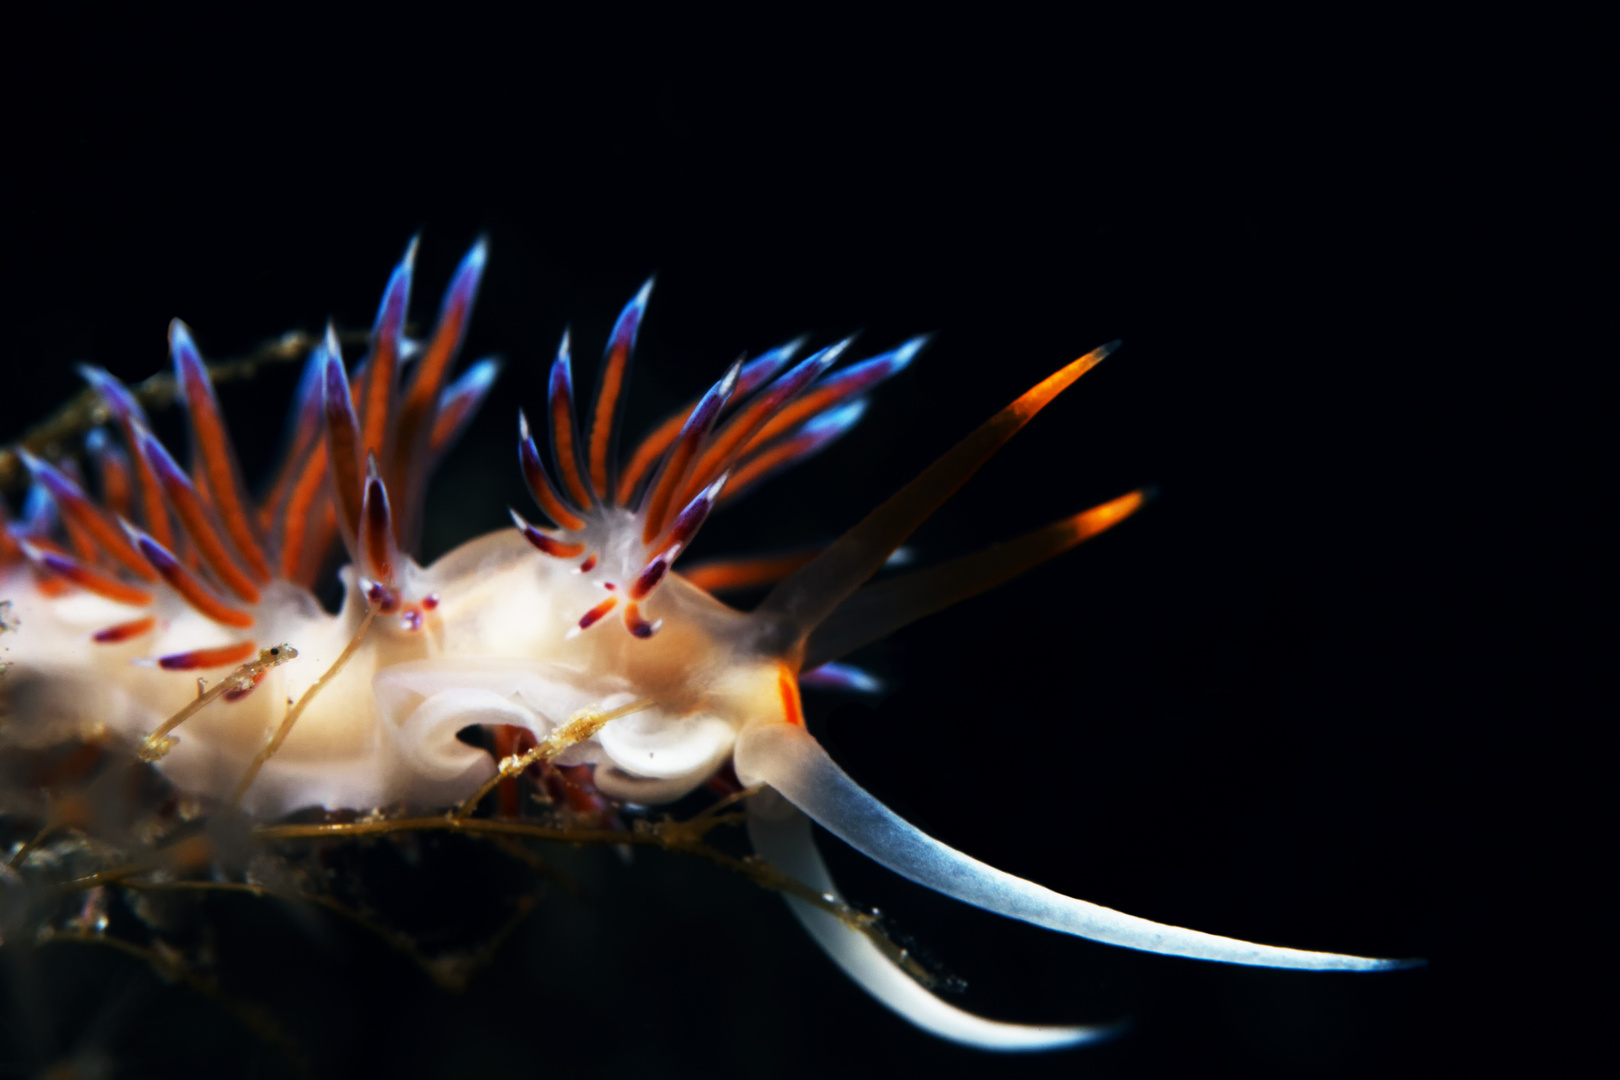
x,y
523,628
495,650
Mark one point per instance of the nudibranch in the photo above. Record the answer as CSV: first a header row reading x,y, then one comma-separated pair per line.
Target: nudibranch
x,y
577,631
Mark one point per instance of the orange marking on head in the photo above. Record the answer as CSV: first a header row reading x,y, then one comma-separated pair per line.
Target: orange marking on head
x,y
788,687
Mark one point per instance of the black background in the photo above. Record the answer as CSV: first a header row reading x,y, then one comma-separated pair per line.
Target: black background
x,y
1285,703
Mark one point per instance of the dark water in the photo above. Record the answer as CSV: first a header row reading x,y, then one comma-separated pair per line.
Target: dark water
x,y
1264,708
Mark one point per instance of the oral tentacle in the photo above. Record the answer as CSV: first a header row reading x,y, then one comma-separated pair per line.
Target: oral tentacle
x,y
789,759
780,835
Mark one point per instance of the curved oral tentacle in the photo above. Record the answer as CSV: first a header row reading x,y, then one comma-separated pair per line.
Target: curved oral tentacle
x,y
790,760
780,835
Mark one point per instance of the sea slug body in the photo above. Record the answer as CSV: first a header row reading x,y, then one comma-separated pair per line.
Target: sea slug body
x,y
578,633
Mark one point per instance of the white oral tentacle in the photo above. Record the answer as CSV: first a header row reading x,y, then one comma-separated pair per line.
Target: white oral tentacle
x,y
781,835
790,760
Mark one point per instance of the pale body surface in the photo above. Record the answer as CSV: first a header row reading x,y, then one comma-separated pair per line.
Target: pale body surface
x,y
511,630
382,732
